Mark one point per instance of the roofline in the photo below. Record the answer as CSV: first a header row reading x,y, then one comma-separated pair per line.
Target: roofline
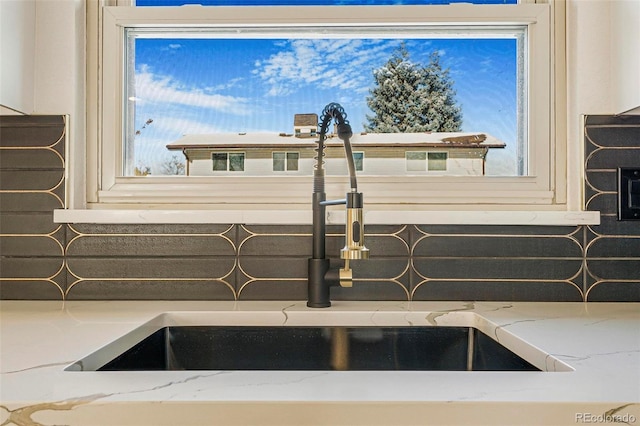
x,y
173,147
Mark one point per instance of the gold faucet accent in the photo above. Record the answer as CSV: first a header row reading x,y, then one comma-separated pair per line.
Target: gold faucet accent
x,y
354,248
340,349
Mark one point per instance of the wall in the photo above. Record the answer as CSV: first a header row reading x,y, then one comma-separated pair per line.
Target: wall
x,y
625,29
43,260
61,52
17,44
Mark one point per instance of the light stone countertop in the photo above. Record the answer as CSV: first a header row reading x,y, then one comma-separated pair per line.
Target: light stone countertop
x,y
591,354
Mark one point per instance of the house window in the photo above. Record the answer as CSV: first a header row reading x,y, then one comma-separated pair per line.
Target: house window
x,y
421,161
437,161
416,161
536,175
228,161
358,159
285,161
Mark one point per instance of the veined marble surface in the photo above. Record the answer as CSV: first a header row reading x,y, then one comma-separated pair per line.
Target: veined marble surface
x,y
600,342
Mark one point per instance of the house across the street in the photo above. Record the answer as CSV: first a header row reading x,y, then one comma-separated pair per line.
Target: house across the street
x,y
268,154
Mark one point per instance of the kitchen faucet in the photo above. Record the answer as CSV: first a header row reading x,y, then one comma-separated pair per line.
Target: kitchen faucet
x,y
321,276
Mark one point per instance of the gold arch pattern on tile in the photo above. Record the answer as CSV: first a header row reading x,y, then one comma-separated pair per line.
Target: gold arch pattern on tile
x,y
595,148
79,278
48,279
58,142
599,148
571,237
599,280
252,279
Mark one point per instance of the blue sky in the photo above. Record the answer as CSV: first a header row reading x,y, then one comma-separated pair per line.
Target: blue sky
x,y
245,85
310,2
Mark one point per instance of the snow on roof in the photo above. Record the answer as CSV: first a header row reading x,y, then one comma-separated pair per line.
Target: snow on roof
x,y
265,140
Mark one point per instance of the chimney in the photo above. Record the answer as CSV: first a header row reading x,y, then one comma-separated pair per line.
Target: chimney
x,y
305,125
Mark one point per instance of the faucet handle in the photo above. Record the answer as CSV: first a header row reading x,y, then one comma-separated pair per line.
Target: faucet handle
x,y
346,275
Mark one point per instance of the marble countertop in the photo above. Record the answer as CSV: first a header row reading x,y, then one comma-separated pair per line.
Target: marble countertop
x,y
599,342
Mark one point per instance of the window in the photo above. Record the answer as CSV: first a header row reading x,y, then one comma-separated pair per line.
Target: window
x,y
541,162
358,160
170,97
416,161
285,161
421,161
437,161
228,162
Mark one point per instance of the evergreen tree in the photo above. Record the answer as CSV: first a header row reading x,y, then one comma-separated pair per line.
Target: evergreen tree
x,y
408,97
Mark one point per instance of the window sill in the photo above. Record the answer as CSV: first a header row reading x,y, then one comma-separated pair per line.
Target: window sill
x,y
295,217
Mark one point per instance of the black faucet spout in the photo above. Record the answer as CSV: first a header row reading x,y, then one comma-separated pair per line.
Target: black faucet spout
x,y
321,276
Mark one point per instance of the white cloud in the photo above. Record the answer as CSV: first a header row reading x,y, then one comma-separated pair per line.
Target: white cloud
x,y
234,82
182,126
344,64
153,88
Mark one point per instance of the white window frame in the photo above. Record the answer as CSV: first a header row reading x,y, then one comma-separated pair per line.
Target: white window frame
x,y
229,154
286,161
544,190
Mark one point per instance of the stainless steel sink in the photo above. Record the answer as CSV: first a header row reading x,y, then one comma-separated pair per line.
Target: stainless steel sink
x,y
267,339
317,348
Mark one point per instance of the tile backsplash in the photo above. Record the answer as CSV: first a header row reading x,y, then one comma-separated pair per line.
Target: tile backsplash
x,y
43,260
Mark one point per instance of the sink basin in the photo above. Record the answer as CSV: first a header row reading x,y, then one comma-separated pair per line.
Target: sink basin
x,y
261,341
317,348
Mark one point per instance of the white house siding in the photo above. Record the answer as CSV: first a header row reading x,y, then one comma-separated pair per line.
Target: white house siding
x,y
384,154
338,167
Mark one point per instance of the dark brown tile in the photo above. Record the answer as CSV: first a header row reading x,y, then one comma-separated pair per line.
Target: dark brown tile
x,y
30,247
611,291
603,203
501,269
94,245
273,267
613,158
42,202
27,223
615,269
273,290
619,247
31,289
30,180
286,245
31,268
371,290
610,225
32,159
608,119
150,290
148,268
602,180
512,291
31,130
227,231
493,230
619,135
497,246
